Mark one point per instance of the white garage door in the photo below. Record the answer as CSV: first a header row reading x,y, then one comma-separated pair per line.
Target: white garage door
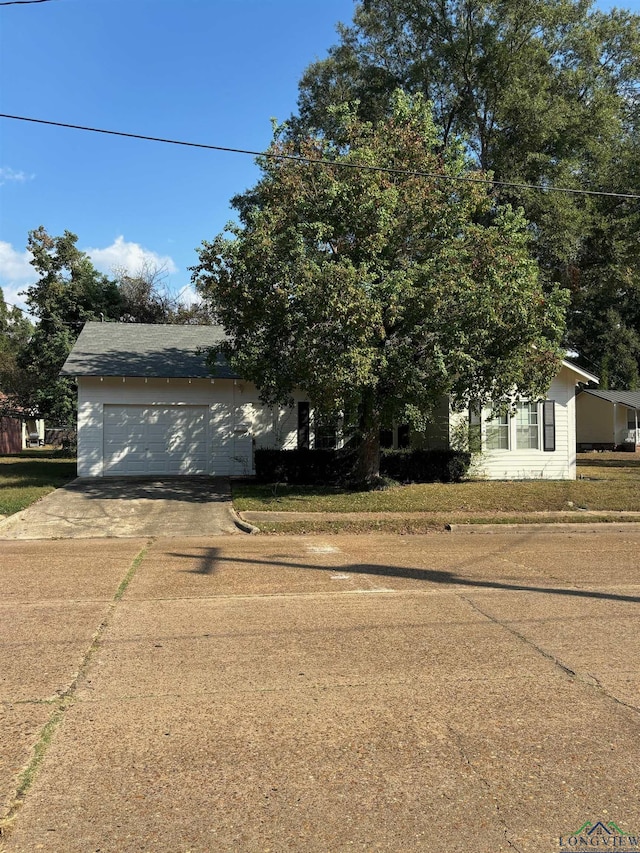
x,y
141,440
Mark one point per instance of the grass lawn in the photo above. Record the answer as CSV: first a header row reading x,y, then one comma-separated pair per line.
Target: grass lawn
x,y
606,482
28,476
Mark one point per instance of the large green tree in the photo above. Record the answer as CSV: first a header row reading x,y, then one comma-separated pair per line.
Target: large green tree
x,y
544,92
379,291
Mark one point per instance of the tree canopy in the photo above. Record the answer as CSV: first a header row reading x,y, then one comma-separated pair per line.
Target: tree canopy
x,y
544,92
379,291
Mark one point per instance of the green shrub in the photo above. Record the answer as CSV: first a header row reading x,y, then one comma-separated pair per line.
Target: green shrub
x,y
332,467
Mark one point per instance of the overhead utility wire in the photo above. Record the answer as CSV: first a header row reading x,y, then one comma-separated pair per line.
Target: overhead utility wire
x,y
22,2
321,162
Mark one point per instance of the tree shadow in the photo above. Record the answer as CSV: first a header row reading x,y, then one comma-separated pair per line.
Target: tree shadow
x,y
633,462
190,489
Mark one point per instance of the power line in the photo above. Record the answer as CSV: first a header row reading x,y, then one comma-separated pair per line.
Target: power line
x,y
22,2
321,162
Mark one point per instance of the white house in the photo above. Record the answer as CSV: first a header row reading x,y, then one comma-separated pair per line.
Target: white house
x,y
148,405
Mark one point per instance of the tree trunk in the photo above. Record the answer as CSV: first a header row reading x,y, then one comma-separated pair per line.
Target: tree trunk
x,y
366,470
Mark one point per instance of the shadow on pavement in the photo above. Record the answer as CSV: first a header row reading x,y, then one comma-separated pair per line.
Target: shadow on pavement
x,y
435,576
190,489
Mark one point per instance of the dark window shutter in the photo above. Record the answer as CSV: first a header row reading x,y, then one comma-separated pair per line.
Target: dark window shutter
x,y
303,426
549,424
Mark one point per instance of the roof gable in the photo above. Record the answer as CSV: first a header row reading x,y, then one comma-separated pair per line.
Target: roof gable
x,y
581,374
141,349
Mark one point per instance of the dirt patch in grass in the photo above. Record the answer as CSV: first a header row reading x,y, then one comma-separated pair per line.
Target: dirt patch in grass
x,y
25,479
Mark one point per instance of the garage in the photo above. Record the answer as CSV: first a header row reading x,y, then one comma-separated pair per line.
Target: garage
x,y
152,403
155,440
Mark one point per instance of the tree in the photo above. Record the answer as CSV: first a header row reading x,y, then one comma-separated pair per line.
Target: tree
x,y
145,298
380,291
15,331
68,293
544,91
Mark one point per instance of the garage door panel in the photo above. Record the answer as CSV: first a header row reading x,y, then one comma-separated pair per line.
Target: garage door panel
x,y
155,440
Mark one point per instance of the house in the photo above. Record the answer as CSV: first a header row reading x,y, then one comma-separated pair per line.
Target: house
x,y
608,420
149,405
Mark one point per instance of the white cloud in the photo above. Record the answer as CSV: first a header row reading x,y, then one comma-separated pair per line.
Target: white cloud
x,y
10,294
8,174
14,265
132,256
188,296
16,273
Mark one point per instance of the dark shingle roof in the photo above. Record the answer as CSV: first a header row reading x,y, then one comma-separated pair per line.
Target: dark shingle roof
x,y
626,398
140,349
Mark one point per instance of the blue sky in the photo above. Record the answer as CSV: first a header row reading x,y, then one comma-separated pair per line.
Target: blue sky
x,y
211,71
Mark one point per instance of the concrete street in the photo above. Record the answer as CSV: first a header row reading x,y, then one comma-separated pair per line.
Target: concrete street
x,y
247,693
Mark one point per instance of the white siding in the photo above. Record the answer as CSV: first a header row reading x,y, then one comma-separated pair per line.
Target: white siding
x,y
524,464
236,420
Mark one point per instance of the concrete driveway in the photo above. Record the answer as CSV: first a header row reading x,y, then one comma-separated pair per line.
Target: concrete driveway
x,y
114,507
391,693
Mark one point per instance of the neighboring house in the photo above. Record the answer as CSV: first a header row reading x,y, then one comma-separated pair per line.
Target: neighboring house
x,y
149,405
608,420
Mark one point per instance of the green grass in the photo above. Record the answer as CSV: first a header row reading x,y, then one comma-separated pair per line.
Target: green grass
x,y
609,483
29,476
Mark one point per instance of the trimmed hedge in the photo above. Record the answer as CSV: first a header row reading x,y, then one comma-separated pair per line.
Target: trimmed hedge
x,y
302,467
330,467
425,466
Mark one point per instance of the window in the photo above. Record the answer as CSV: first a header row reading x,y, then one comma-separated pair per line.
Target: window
x,y
327,429
497,431
631,418
527,426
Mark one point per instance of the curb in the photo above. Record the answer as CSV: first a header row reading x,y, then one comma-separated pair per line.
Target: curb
x,y
549,527
243,525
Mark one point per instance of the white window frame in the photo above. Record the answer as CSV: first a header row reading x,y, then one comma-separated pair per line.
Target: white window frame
x,y
507,429
498,424
523,429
